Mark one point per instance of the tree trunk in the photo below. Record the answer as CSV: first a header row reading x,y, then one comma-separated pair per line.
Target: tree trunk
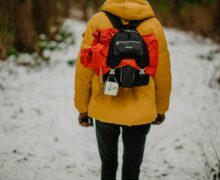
x,y
3,51
84,5
42,15
96,5
175,13
67,6
24,32
4,5
217,16
175,7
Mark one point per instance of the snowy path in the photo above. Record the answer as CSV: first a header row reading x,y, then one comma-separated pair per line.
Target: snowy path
x,y
41,140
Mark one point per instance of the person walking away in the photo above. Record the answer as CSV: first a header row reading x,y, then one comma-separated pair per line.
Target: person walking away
x,y
123,81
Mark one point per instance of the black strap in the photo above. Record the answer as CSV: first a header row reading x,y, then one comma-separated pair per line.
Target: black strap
x,y
116,21
135,24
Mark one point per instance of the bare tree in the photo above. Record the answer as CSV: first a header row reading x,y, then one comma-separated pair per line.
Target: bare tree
x,y
24,31
42,15
67,7
217,16
2,46
84,5
3,51
175,8
96,4
5,27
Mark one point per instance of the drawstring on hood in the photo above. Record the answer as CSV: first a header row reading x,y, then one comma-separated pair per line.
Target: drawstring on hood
x,y
129,9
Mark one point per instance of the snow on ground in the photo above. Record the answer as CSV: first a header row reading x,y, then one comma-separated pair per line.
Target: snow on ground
x,y
41,140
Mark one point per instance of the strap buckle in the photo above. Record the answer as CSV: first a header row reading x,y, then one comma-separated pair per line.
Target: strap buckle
x,y
112,72
142,71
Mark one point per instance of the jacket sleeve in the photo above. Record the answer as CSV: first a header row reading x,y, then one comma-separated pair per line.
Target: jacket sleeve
x,y
163,75
83,76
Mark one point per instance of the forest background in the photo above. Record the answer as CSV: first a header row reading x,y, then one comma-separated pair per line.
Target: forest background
x,y
23,21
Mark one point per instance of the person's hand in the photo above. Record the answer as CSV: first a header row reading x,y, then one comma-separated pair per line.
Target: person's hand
x,y
83,120
159,120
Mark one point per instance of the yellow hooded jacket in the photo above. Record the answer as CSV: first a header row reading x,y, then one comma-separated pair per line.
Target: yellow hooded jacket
x,y
132,106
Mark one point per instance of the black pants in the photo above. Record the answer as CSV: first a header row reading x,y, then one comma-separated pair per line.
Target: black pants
x,y
134,142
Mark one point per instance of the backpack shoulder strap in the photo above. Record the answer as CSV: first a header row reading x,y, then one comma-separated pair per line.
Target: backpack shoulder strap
x,y
115,20
135,24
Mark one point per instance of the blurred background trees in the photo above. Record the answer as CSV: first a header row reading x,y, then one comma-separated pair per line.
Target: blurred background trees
x,y
199,16
23,27
22,21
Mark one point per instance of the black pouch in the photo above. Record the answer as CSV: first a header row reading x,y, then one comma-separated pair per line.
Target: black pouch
x,y
134,48
127,76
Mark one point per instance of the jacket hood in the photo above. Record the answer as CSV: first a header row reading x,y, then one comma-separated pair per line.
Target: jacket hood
x,y
129,9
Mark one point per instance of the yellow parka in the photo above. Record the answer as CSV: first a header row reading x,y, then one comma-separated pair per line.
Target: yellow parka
x,y
132,106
